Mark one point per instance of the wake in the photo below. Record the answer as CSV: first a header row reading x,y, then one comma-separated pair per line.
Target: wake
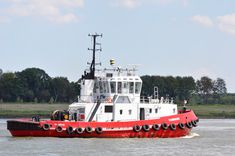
x,y
191,135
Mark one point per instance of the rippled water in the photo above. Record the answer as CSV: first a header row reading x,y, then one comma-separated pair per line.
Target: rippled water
x,y
211,137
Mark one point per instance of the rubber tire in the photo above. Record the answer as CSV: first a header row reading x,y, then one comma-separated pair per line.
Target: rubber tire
x,y
172,127
46,127
181,126
164,126
146,128
59,129
194,123
88,129
156,127
98,130
79,130
69,129
136,128
189,125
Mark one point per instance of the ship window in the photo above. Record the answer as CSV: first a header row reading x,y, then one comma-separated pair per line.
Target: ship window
x,y
113,87
108,109
137,87
131,87
129,111
101,87
109,74
156,110
96,87
150,110
81,110
121,111
174,110
125,88
123,99
119,87
106,87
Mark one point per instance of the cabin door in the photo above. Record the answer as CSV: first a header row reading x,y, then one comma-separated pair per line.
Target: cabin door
x,y
142,114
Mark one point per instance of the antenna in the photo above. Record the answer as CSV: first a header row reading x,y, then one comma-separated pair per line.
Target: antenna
x,y
91,74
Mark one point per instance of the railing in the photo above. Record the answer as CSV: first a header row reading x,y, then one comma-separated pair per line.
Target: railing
x,y
145,99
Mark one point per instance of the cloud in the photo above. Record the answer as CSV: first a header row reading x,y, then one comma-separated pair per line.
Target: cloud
x,y
226,23
202,20
132,4
59,11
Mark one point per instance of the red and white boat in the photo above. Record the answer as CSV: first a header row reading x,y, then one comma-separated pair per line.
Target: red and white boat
x,y
110,106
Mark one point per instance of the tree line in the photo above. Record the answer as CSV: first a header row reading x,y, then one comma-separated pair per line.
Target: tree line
x,y
202,91
35,85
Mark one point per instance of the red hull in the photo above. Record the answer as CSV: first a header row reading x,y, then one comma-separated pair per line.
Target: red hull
x,y
22,128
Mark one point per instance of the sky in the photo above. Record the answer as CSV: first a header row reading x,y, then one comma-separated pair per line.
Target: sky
x,y
163,37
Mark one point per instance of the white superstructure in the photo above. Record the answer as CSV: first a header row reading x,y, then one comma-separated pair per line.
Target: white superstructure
x,y
114,95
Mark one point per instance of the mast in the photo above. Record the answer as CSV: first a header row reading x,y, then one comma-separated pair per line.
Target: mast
x,y
91,74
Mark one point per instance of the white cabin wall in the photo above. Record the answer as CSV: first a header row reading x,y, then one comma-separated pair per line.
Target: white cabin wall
x,y
101,115
163,110
125,107
86,92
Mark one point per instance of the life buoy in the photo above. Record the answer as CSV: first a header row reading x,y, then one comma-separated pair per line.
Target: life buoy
x,y
98,130
172,127
181,125
58,129
46,127
156,127
164,126
136,128
194,123
146,128
79,130
189,125
69,129
88,129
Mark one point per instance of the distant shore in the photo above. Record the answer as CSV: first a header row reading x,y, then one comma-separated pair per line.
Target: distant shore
x,y
25,110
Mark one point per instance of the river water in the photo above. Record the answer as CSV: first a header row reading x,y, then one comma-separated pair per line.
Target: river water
x,y
212,137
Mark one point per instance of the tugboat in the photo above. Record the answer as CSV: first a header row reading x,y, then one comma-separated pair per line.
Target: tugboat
x,y
110,106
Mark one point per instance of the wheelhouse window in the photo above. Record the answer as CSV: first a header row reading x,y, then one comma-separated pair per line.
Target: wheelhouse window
x,y
123,99
106,86
125,88
131,87
137,87
113,87
101,87
121,111
96,87
119,87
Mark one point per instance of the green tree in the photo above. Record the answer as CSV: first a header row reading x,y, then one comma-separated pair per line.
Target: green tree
x,y
204,88
36,84
60,89
9,87
219,86
186,86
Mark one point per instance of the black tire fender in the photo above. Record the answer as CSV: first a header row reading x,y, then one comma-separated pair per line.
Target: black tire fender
x,y
58,129
146,128
136,128
46,126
